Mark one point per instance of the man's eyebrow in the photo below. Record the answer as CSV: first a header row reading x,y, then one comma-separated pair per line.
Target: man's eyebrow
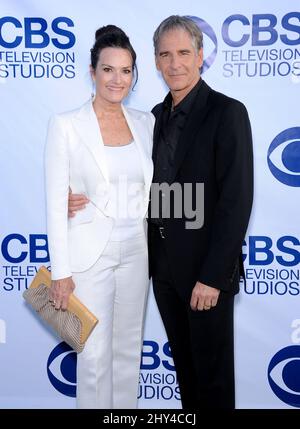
x,y
180,51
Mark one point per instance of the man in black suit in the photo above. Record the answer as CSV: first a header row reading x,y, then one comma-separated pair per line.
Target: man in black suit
x,y
200,136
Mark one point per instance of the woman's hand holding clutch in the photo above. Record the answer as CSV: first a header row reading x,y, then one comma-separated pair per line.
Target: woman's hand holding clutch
x,y
60,291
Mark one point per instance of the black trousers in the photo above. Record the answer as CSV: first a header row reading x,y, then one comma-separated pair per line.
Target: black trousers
x,y
201,341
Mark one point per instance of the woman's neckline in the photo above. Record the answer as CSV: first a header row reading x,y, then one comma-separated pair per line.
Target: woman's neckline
x,y
120,145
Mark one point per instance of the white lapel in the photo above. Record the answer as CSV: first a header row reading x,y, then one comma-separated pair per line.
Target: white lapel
x,y
89,131
138,127
86,124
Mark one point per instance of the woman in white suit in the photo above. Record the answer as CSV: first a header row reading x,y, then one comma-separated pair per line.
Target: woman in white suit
x,y
103,150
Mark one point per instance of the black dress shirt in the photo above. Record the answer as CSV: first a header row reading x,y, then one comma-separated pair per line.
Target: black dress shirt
x,y
173,121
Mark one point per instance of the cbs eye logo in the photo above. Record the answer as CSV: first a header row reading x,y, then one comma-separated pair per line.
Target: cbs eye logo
x,y
284,375
61,369
212,39
284,157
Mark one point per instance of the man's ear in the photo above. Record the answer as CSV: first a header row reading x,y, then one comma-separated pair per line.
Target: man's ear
x,y
157,63
200,58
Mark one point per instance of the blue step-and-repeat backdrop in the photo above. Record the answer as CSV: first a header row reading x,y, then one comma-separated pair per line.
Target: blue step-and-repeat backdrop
x,y
252,53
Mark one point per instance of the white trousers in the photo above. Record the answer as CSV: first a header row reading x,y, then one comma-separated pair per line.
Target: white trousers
x,y
115,289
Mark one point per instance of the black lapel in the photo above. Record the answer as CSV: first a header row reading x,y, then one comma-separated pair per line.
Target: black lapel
x,y
158,125
192,125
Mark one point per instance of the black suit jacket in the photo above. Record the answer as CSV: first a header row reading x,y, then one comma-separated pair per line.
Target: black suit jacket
x,y
215,148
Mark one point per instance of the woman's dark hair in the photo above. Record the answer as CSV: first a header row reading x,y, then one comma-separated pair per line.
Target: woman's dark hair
x,y
111,36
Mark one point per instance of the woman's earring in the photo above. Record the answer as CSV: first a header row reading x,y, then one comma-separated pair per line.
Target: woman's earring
x,y
93,89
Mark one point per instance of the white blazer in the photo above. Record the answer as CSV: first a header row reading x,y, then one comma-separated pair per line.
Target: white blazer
x,y
75,157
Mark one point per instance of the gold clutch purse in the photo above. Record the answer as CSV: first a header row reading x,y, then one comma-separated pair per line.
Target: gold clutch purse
x,y
74,325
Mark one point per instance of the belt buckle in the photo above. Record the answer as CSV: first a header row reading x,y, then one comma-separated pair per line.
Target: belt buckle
x,y
161,231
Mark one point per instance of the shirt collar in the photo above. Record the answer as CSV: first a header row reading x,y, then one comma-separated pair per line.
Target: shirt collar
x,y
186,103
